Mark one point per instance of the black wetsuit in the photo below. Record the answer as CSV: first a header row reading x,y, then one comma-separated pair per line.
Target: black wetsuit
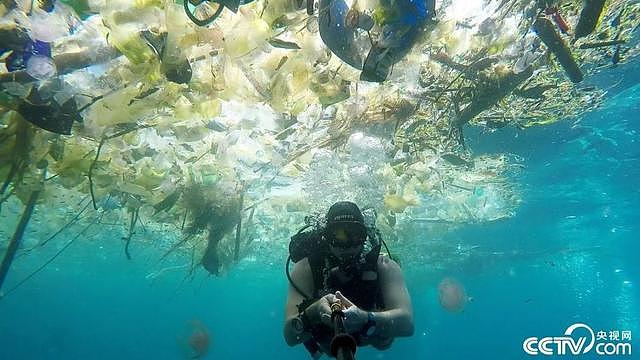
x,y
362,288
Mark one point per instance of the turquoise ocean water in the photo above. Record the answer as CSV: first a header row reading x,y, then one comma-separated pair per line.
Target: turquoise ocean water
x,y
570,255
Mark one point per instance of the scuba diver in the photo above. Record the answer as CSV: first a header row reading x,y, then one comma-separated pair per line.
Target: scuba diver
x,y
342,292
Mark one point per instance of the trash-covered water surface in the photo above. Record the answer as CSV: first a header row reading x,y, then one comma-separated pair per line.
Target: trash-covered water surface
x,y
223,124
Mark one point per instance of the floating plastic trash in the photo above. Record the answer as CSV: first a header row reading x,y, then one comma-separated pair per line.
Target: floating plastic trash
x,y
48,27
589,16
547,33
205,12
41,67
265,97
18,60
555,14
346,31
81,7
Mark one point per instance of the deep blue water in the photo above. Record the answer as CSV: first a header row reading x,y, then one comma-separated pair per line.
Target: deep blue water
x,y
568,256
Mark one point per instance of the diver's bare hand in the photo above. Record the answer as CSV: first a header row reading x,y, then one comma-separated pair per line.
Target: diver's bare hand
x,y
320,311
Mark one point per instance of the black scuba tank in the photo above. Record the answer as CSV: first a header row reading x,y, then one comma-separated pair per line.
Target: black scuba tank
x,y
305,243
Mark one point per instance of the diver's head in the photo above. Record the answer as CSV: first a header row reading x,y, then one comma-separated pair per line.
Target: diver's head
x,y
345,231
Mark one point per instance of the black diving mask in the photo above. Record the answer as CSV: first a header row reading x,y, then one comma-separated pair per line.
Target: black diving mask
x,y
345,235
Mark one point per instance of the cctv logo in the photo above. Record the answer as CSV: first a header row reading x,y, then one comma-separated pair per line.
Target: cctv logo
x,y
576,345
558,345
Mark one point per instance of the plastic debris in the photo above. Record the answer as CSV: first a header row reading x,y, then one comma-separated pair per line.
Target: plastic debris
x,y
41,67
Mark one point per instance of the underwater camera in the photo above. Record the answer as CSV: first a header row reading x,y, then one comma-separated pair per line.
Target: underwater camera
x,y
204,12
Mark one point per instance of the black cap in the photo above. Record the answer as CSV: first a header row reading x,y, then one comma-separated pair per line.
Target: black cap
x,y
344,212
